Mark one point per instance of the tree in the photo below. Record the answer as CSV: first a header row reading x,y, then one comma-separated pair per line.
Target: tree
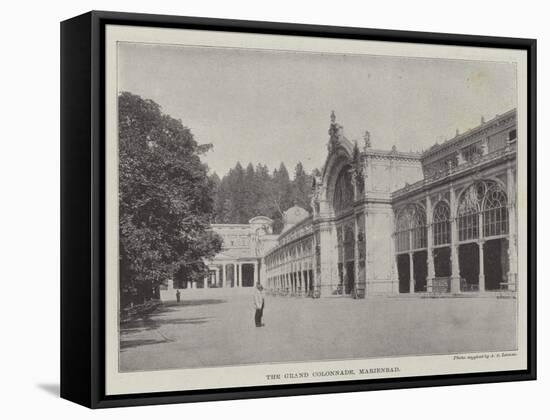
x,y
281,195
301,187
215,182
237,193
264,206
245,193
165,198
250,194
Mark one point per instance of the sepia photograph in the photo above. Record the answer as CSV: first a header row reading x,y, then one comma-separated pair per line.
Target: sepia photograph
x,y
282,208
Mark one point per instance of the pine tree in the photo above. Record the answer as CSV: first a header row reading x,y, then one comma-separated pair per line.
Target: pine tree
x,y
250,193
301,187
246,193
264,206
237,193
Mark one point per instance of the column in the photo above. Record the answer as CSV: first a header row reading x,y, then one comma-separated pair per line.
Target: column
x,y
411,273
205,283
235,274
240,275
307,281
289,278
512,229
355,254
411,265
256,277
224,276
369,272
289,282
481,245
429,221
327,257
217,276
314,279
455,268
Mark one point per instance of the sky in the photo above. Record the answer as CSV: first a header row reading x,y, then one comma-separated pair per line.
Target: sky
x,y
274,106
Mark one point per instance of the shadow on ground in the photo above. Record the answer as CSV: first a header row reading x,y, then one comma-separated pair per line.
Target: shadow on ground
x,y
162,316
52,389
152,323
195,302
130,344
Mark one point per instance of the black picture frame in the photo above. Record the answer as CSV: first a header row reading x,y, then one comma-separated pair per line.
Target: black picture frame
x,y
83,203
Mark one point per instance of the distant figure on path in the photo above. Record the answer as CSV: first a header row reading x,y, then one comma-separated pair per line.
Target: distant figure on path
x,y
258,305
178,295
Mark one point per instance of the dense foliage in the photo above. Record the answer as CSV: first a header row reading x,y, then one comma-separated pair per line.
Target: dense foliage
x,y
165,197
245,193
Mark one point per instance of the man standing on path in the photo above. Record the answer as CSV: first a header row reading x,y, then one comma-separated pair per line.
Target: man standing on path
x,y
258,305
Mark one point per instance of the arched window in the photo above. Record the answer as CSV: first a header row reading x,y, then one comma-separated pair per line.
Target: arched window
x,y
495,212
469,208
489,199
411,228
402,233
343,191
441,224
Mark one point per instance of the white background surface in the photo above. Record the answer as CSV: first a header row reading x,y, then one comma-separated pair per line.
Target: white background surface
x,y
29,174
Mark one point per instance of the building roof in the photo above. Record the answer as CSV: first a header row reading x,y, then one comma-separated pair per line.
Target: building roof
x,y
454,142
295,215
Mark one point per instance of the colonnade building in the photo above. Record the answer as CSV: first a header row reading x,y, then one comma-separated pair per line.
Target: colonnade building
x,y
239,262
387,222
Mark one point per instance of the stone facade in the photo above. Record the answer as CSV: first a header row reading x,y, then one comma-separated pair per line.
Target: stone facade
x,y
389,222
239,264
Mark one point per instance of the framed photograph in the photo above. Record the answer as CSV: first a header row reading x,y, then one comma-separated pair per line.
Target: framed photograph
x,y
255,209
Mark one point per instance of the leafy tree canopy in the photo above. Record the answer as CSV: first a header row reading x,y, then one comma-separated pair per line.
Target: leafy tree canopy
x,y
165,197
